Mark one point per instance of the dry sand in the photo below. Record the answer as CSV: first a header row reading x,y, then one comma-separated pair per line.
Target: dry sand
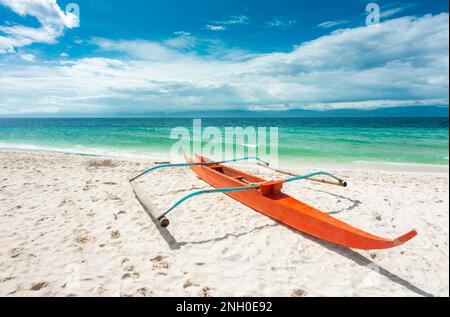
x,y
71,226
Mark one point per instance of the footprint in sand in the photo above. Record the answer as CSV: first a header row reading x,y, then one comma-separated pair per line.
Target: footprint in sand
x,y
129,270
115,234
189,283
159,262
206,292
144,292
82,236
113,197
14,253
299,293
87,186
39,286
134,275
83,239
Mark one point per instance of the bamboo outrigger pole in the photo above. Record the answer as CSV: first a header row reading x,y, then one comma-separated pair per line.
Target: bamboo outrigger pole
x,y
333,180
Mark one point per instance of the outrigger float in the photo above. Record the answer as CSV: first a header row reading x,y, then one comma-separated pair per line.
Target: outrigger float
x,y
267,198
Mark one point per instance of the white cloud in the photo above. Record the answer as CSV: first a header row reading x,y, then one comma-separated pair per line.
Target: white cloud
x,y
330,24
402,62
234,20
182,33
222,25
215,27
52,19
278,23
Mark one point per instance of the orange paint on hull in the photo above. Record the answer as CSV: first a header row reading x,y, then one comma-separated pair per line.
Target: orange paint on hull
x,y
269,200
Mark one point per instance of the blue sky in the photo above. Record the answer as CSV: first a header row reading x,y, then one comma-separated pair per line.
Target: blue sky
x,y
146,56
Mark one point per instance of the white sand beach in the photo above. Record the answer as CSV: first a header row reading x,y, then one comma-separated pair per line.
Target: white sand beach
x,y
71,226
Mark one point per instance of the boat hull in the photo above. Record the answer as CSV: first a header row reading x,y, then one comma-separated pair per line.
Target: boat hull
x,y
271,201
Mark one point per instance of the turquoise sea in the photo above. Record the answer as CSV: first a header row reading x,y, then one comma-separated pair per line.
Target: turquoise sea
x,y
335,140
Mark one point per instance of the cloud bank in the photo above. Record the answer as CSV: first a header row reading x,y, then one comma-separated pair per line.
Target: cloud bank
x,y
402,62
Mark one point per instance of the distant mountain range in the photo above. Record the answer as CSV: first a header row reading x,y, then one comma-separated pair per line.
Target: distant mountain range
x,y
416,111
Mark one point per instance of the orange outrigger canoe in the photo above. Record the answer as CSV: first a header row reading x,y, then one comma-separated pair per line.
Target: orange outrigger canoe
x,y
267,198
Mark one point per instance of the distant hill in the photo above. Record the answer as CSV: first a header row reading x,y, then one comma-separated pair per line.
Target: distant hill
x,y
416,111
419,111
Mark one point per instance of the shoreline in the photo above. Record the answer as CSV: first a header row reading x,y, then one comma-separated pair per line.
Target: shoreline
x,y
393,167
